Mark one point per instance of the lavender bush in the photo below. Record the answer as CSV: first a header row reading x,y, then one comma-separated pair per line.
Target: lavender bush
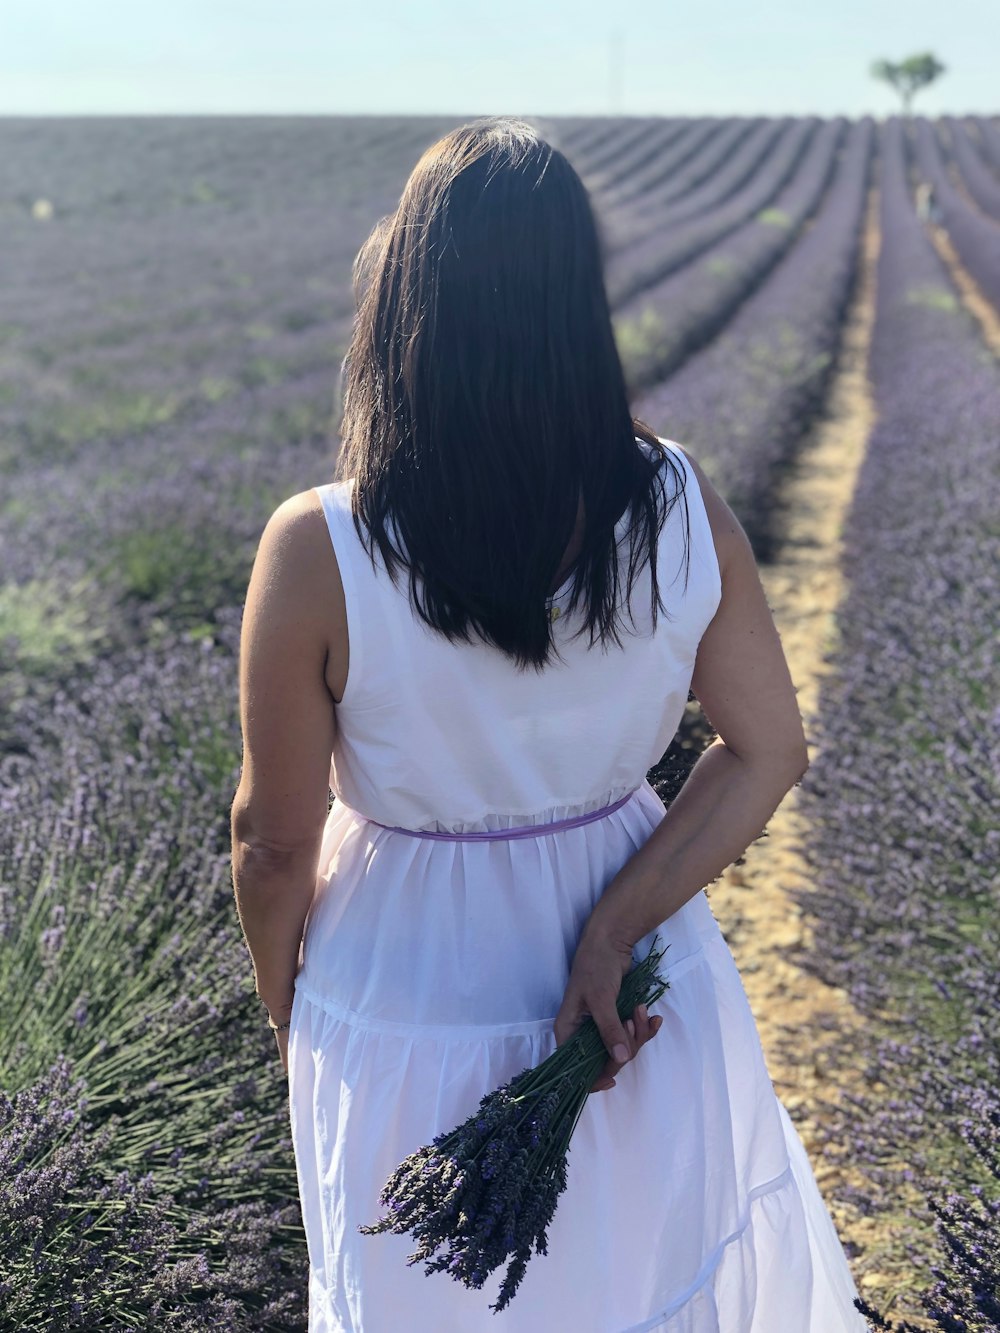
x,y
975,235
746,399
982,182
118,960
705,180
91,1244
901,801
665,323
668,245
988,135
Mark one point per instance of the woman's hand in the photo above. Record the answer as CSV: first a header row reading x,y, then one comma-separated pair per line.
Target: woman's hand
x,y
281,1013
595,979
282,1039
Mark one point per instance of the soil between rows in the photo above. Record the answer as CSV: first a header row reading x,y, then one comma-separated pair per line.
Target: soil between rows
x,y
801,1020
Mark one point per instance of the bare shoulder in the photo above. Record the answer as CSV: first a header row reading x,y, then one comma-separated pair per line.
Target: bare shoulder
x,y
301,511
298,551
731,542
298,529
297,555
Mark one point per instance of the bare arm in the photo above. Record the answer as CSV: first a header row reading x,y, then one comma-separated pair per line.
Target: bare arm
x,y
742,681
289,725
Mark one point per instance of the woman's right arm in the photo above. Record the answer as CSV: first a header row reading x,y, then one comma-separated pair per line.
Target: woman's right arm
x,y
742,680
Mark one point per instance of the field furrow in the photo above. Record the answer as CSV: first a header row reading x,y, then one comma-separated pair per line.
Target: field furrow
x,y
743,402
664,323
969,170
975,236
668,248
903,889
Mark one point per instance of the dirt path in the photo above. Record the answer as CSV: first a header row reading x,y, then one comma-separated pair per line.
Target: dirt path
x,y
798,1016
804,588
979,306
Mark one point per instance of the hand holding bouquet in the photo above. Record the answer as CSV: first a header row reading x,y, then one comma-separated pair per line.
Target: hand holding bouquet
x,y
592,991
487,1191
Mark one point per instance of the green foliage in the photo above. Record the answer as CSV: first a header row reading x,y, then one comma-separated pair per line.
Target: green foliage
x,y
259,371
782,349
112,415
639,338
935,298
774,217
299,422
720,266
201,191
47,625
213,388
180,566
910,75
295,321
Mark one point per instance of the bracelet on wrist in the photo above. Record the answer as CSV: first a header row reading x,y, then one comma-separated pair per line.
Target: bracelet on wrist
x,y
283,1008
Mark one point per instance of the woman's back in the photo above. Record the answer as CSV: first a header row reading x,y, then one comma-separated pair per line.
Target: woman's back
x,y
445,736
452,738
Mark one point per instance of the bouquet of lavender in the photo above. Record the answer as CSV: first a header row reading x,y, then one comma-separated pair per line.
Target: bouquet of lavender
x,y
487,1190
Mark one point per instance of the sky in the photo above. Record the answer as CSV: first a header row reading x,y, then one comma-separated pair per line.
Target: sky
x,y
463,58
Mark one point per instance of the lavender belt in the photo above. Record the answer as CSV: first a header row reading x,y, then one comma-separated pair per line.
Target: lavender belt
x,y
525,831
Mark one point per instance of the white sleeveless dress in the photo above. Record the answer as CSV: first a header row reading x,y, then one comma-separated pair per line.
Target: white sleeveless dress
x,y
433,971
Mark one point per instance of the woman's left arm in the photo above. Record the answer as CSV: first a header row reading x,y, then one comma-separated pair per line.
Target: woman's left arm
x,y
289,725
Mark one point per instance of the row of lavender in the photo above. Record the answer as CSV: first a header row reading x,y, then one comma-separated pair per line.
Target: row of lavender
x,y
744,402
145,1167
697,213
974,233
708,277
126,525
135,348
978,169
901,801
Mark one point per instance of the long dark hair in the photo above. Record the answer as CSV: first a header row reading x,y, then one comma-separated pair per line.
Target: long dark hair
x,y
484,397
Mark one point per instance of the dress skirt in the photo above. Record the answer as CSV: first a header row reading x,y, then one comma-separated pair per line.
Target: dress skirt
x,y
433,973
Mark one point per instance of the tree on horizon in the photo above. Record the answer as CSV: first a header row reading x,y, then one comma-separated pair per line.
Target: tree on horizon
x,y
909,76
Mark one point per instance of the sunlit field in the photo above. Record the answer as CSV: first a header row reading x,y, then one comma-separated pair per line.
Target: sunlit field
x,y
176,302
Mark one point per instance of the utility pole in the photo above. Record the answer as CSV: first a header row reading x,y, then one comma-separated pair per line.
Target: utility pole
x,y
616,70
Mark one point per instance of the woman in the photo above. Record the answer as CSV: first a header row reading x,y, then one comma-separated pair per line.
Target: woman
x,y
491,620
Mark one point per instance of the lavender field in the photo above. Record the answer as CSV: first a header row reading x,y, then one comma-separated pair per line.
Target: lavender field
x,y
176,301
